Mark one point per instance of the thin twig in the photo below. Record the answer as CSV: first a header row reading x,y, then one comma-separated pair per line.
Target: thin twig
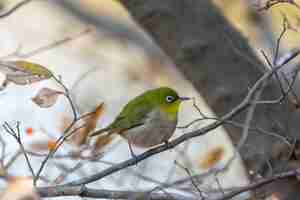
x,y
17,136
53,151
191,178
259,183
197,107
278,42
239,125
68,96
11,161
14,8
293,93
18,53
250,114
3,149
283,96
68,172
219,184
270,3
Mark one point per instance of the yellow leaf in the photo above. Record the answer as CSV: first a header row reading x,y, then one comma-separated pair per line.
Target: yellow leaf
x,y
23,72
33,68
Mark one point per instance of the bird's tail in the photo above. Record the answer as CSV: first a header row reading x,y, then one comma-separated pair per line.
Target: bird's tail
x,y
101,131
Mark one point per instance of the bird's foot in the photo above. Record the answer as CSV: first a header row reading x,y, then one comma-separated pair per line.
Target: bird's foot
x,y
167,144
133,154
135,157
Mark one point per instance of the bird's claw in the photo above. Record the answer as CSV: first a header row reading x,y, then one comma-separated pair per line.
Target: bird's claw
x,y
167,143
133,154
135,158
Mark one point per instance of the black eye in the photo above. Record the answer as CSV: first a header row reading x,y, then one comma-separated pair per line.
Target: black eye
x,y
170,99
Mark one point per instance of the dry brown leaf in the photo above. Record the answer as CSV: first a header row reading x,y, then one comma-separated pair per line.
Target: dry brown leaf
x,y
102,141
20,188
46,97
212,157
90,125
51,144
23,72
90,122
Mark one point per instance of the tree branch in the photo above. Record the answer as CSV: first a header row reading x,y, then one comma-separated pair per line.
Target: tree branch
x,y
83,191
161,148
259,183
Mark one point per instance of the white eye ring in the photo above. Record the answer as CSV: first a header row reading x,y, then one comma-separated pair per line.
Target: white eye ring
x,y
169,99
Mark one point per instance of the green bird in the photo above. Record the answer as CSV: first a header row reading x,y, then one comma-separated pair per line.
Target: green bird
x,y
147,120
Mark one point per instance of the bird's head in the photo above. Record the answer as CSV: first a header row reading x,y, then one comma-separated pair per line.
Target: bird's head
x,y
167,100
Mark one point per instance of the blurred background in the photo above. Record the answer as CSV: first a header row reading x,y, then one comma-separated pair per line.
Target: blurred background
x,y
109,51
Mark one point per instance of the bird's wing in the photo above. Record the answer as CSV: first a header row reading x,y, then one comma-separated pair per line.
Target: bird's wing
x,y
133,114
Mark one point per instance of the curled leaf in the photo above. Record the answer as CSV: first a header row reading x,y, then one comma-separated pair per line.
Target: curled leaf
x,y
23,72
102,141
90,124
87,123
46,97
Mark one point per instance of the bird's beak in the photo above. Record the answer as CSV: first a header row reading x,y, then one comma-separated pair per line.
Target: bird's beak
x,y
184,98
